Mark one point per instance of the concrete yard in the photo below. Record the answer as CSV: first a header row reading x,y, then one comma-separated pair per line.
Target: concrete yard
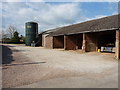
x,y
38,67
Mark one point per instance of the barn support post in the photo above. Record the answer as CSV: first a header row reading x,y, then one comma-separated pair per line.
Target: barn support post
x,y
84,43
117,53
65,46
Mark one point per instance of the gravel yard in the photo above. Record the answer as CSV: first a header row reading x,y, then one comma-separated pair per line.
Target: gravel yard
x,y
38,67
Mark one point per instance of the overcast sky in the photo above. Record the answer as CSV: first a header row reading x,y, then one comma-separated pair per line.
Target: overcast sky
x,y
51,15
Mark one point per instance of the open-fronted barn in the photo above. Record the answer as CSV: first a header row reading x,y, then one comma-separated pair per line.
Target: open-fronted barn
x,y
99,34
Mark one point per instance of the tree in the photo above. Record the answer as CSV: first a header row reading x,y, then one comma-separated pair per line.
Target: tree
x,y
15,38
10,35
10,31
5,38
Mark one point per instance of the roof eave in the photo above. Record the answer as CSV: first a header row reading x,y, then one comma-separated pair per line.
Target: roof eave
x,y
87,31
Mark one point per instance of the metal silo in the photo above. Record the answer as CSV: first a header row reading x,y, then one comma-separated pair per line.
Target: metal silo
x,y
31,32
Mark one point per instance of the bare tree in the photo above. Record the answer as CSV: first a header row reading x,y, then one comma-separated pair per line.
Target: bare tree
x,y
7,34
11,29
4,35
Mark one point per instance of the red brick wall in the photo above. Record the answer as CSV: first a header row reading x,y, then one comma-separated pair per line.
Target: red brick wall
x,y
84,43
117,53
70,42
91,42
49,42
42,40
58,42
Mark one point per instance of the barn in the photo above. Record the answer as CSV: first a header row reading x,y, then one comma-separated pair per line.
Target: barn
x,y
100,34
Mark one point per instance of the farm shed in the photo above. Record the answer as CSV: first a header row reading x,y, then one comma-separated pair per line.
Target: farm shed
x,y
47,41
88,36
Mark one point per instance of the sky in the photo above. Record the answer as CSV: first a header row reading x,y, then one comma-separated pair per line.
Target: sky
x,y
50,15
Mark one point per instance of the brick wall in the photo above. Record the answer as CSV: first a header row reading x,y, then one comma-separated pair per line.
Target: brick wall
x,y
42,40
91,42
117,53
58,42
49,42
70,42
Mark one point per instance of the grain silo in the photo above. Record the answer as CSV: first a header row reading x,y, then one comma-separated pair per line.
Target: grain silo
x,y
31,32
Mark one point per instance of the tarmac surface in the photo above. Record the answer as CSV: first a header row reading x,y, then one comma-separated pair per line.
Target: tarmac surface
x,y
38,67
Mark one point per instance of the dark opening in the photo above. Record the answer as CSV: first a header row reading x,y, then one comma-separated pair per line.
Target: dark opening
x,y
106,39
79,40
74,41
58,41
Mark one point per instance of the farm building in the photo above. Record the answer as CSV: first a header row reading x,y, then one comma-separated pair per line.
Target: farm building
x,y
99,34
44,34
